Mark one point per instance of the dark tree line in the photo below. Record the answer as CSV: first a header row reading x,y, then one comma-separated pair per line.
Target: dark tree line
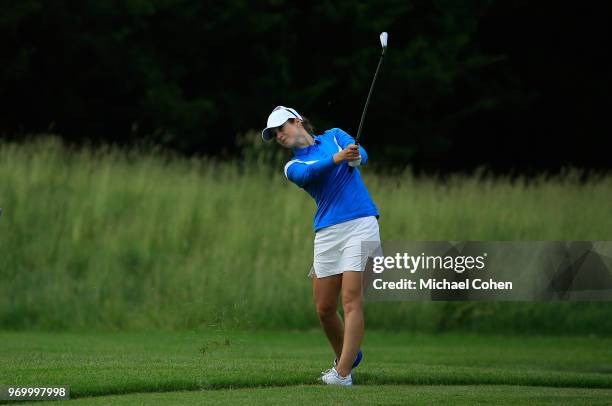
x,y
510,85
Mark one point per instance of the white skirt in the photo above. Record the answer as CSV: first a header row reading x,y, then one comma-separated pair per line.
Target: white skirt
x,y
337,248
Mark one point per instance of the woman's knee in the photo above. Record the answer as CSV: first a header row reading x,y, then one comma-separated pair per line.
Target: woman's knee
x,y
326,310
352,303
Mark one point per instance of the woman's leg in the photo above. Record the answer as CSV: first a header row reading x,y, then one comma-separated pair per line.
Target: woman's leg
x,y
352,302
325,292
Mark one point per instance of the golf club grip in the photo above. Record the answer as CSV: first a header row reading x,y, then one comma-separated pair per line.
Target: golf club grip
x,y
350,166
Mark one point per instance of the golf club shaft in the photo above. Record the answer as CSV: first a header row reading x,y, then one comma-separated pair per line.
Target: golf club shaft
x,y
365,108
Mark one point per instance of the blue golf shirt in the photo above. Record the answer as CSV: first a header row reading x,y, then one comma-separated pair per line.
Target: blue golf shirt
x,y
340,194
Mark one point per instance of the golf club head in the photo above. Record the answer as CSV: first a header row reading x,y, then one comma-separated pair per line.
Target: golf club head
x,y
383,39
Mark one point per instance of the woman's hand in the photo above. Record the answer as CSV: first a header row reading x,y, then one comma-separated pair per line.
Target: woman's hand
x,y
350,153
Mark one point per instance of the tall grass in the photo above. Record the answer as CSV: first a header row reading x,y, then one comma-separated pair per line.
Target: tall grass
x,y
107,238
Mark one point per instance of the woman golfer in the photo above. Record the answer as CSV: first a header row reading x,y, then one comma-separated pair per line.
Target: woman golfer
x,y
345,217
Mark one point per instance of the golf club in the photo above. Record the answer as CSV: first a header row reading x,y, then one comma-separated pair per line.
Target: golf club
x,y
383,42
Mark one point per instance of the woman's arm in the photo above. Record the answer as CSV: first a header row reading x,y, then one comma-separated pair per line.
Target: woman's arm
x,y
302,173
344,140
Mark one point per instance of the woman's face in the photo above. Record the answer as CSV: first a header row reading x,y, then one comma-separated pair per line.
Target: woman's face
x,y
288,134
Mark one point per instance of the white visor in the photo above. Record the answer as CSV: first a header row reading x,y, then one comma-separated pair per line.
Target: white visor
x,y
277,118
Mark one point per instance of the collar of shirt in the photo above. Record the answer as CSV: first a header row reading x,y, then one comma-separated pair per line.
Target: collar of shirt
x,y
307,150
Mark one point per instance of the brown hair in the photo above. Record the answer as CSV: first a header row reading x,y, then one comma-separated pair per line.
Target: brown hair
x,y
310,129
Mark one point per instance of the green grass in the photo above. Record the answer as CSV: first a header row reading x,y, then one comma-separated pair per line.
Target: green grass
x,y
419,367
364,395
112,239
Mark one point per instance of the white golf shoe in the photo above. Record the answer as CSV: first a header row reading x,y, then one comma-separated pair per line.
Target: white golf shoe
x,y
355,364
333,378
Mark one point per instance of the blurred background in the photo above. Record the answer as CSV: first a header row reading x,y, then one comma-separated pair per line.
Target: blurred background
x,y
508,85
137,192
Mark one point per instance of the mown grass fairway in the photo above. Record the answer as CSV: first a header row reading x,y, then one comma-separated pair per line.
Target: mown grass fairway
x,y
364,395
397,368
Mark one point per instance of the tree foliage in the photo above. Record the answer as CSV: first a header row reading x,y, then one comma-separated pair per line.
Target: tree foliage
x,y
463,84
